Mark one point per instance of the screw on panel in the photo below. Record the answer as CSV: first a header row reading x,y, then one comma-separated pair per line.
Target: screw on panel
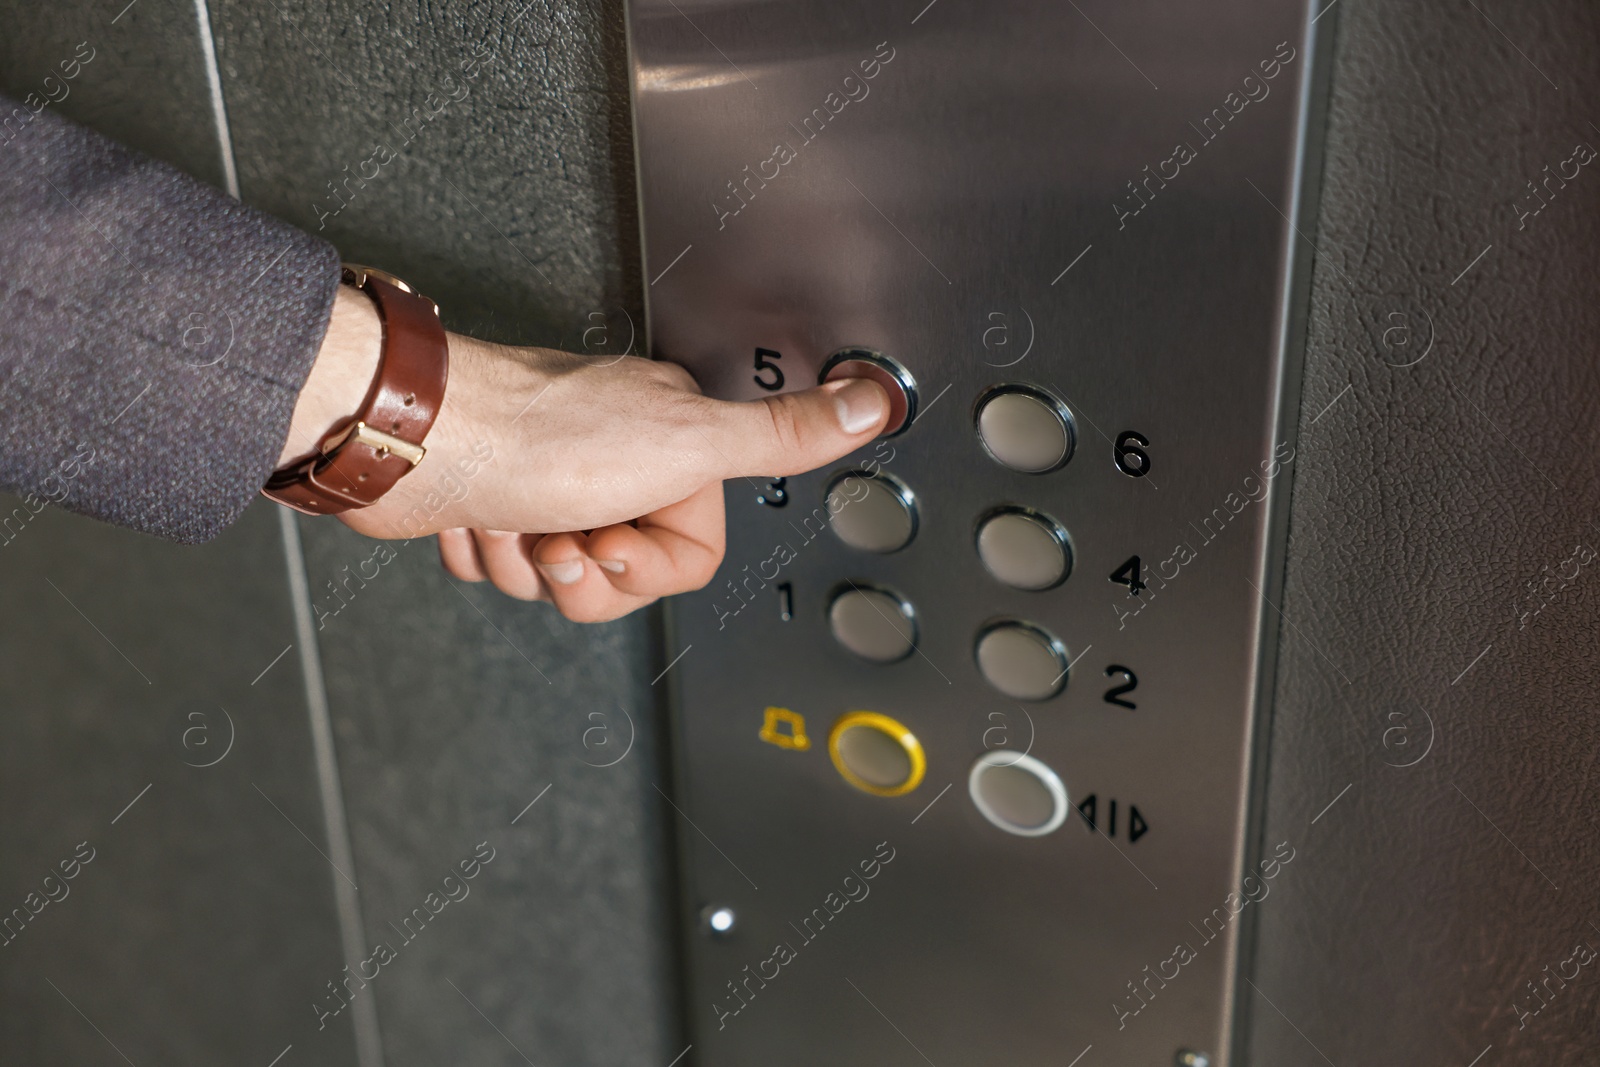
x,y
1190,1058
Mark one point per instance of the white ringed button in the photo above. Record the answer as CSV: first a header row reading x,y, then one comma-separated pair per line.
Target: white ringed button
x,y
1018,793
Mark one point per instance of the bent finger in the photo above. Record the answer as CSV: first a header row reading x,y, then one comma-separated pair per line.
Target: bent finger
x,y
672,550
507,559
459,555
576,585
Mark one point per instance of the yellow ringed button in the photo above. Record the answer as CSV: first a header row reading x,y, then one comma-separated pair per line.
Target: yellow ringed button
x,y
876,754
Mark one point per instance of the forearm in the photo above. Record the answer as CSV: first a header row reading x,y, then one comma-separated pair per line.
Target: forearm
x,y
149,322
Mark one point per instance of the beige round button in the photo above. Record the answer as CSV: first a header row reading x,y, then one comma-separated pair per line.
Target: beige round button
x,y
1025,429
874,514
1018,793
1024,548
873,623
876,754
1022,661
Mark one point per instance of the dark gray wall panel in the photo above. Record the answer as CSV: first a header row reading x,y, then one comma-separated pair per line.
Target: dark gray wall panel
x,y
454,708
145,84
512,206
1431,503
203,928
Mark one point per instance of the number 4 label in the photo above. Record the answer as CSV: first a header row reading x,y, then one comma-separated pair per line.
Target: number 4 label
x,y
1130,574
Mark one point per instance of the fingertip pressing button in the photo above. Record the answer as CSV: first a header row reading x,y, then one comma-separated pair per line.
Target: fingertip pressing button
x,y
1024,428
1021,660
1018,793
873,623
887,372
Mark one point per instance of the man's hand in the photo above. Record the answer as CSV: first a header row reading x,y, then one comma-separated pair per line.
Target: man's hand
x,y
592,484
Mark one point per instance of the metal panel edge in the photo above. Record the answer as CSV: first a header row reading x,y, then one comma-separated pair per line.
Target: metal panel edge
x,y
1295,305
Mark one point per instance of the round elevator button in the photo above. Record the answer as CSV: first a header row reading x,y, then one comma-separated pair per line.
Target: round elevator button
x,y
1025,429
887,372
1021,660
873,623
1017,793
874,513
876,754
1023,548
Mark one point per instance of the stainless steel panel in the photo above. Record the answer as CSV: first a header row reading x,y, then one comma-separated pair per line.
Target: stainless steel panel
x,y
955,186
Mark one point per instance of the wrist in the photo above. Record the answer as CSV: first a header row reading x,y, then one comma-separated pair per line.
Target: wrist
x,y
346,364
443,491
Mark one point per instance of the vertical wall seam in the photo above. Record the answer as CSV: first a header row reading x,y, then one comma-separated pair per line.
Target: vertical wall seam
x,y
352,932
364,1012
219,109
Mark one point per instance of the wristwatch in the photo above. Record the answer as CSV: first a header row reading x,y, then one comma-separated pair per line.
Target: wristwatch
x,y
363,457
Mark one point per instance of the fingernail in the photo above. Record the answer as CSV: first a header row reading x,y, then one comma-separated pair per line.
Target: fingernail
x,y
861,405
615,566
563,573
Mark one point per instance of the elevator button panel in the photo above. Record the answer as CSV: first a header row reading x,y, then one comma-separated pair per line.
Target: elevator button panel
x,y
1021,660
1029,622
873,513
1025,429
875,624
1024,548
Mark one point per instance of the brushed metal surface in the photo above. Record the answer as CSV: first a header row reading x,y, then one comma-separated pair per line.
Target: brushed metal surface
x,y
951,185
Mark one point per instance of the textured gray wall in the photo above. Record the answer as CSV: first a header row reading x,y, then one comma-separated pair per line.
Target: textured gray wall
x,y
209,936
453,706
146,84
204,925
1430,504
508,197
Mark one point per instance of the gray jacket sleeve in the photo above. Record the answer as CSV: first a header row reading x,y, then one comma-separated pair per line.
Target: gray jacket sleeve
x,y
154,332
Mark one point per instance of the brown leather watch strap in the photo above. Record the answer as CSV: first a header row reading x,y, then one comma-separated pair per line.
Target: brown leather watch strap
x,y
363,458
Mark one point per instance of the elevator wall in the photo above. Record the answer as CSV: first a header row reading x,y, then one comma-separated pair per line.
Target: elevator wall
x,y
1434,736
1432,740
209,922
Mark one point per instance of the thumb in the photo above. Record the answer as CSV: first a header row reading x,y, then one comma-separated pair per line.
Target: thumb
x,y
792,433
